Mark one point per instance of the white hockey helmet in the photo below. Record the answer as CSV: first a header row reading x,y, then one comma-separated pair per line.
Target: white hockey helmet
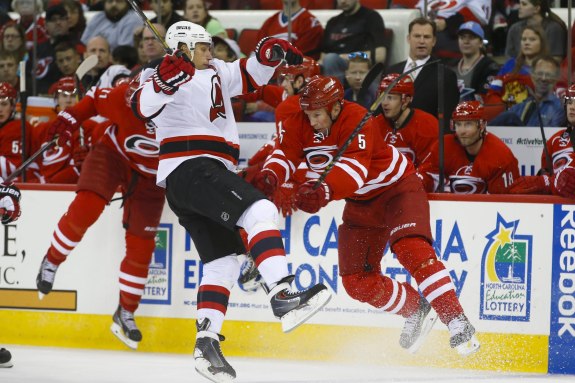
x,y
187,33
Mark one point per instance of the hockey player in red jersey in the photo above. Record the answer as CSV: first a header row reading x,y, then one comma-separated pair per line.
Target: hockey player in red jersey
x,y
385,202
476,162
557,178
188,99
412,131
126,156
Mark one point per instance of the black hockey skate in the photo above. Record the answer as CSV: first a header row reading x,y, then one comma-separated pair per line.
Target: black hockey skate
x,y
417,326
125,329
5,358
209,360
462,336
250,279
293,308
46,276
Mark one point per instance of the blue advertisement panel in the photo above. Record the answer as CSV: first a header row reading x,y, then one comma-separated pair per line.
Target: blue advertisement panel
x,y
562,330
159,286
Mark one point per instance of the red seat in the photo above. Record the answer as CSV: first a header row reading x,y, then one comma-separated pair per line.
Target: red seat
x,y
309,4
375,4
271,4
248,40
232,33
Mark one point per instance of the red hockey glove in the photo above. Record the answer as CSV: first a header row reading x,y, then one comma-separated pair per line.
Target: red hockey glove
x,y
251,172
63,126
270,51
266,181
9,203
79,154
311,200
531,185
173,71
284,198
565,182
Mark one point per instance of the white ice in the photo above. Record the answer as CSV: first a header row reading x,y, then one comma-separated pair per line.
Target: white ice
x,y
61,365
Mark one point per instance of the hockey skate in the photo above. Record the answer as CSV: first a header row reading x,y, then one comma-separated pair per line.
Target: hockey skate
x,y
462,336
293,308
5,358
417,326
209,360
125,329
46,276
250,279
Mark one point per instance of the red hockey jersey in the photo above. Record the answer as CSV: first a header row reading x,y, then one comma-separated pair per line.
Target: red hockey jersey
x,y
367,168
560,148
11,150
306,31
493,170
415,137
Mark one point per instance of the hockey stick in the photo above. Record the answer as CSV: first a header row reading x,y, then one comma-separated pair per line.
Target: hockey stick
x,y
441,120
149,24
363,121
87,65
548,158
23,110
371,76
30,160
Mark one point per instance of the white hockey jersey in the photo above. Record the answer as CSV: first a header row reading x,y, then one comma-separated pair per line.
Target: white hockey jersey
x,y
198,120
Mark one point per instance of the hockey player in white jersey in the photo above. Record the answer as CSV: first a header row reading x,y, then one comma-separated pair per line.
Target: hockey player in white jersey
x,y
187,96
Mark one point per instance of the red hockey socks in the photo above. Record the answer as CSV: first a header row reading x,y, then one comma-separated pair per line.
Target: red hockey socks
x,y
134,270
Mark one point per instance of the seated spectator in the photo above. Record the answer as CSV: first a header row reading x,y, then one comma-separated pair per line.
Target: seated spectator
x,y
125,55
26,9
196,11
511,83
97,46
475,161
475,70
358,67
306,30
226,49
448,17
116,24
356,28
542,107
557,174
152,48
9,69
139,44
165,13
76,18
536,13
67,58
409,130
13,40
421,40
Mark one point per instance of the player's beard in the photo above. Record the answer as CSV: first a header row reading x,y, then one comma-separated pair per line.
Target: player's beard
x,y
115,14
470,141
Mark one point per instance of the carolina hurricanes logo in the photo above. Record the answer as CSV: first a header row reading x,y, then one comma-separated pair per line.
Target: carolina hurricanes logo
x,y
217,109
442,4
318,158
54,155
562,158
392,138
142,145
463,183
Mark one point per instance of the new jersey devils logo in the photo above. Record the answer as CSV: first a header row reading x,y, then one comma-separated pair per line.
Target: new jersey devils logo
x,y
217,109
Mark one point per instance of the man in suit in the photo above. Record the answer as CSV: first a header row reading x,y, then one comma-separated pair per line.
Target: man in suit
x,y
421,39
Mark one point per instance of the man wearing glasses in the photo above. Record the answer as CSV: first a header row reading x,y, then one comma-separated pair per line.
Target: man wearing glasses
x,y
542,107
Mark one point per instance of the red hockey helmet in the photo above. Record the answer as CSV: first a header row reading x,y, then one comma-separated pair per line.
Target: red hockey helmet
x,y
468,111
403,86
133,85
64,85
7,91
321,92
308,68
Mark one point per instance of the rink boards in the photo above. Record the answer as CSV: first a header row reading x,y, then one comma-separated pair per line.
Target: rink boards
x,y
511,261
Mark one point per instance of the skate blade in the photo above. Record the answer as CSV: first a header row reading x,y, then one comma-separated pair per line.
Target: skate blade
x,y
202,367
6,365
295,318
41,295
117,330
428,324
469,347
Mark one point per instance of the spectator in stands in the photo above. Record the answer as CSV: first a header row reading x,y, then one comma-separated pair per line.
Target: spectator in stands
x,y
125,55
542,106
475,161
97,46
152,48
355,28
421,40
226,49
165,13
26,10
410,130
511,83
9,69
536,13
139,44
306,30
67,58
196,11
358,67
116,24
76,18
475,70
13,40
